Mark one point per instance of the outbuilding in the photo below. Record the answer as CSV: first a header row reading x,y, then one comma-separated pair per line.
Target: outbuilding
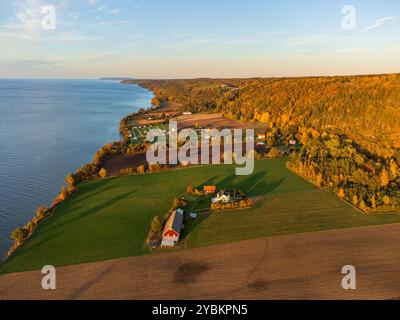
x,y
209,189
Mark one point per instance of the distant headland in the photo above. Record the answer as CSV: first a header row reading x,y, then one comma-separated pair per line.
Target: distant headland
x,y
117,78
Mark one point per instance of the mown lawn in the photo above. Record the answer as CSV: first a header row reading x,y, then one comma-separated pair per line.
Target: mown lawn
x,y
110,218
281,213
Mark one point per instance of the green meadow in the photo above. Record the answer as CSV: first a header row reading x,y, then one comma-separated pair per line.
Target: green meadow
x,y
110,218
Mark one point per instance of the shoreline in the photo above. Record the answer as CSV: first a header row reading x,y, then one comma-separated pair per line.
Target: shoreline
x,y
120,147
35,221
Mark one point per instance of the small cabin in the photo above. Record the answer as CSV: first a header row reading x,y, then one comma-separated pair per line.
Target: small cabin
x,y
173,229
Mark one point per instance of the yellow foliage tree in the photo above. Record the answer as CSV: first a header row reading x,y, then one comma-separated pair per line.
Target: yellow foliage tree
x,y
103,173
394,169
363,206
318,180
64,195
141,169
386,200
373,202
384,178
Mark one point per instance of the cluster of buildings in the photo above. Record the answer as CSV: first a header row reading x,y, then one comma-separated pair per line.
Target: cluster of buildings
x,y
174,226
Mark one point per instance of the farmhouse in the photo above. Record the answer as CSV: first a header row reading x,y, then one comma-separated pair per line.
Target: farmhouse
x,y
172,229
223,197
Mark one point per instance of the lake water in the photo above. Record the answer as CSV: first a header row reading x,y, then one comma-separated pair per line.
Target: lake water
x,y
49,128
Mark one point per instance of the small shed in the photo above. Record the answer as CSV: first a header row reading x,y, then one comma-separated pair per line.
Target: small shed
x,y
209,189
193,215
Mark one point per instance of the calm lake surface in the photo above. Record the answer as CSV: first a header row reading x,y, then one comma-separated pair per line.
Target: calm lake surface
x,y
49,128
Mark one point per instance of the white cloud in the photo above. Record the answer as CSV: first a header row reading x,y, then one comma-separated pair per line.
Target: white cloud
x,y
108,10
379,23
26,24
191,41
28,14
309,39
112,25
72,37
31,64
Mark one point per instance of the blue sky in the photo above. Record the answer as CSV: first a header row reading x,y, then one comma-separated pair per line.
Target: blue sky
x,y
202,38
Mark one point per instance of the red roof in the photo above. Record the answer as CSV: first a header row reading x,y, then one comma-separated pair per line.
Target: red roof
x,y
174,224
210,188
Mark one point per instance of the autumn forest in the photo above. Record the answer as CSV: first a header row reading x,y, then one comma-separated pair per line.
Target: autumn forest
x,y
347,127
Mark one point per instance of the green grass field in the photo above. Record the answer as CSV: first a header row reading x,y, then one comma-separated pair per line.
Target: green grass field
x,y
110,218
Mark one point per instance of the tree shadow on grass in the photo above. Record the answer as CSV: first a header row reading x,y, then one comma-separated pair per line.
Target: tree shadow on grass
x,y
26,248
86,191
265,188
248,185
210,181
191,225
227,182
104,205
253,186
256,185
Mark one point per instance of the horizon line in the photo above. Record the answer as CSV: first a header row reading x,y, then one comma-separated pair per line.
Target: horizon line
x,y
120,78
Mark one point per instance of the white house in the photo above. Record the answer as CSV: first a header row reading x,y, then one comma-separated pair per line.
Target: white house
x,y
222,197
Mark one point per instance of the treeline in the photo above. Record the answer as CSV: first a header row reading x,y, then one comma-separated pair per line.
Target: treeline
x,y
336,163
365,108
193,95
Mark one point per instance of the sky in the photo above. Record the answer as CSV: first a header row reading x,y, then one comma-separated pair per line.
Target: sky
x,y
198,38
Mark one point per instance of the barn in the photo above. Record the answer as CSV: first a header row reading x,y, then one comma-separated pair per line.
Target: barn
x,y
172,229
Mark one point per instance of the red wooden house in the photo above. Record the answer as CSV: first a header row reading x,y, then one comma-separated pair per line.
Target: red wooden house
x,y
172,229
